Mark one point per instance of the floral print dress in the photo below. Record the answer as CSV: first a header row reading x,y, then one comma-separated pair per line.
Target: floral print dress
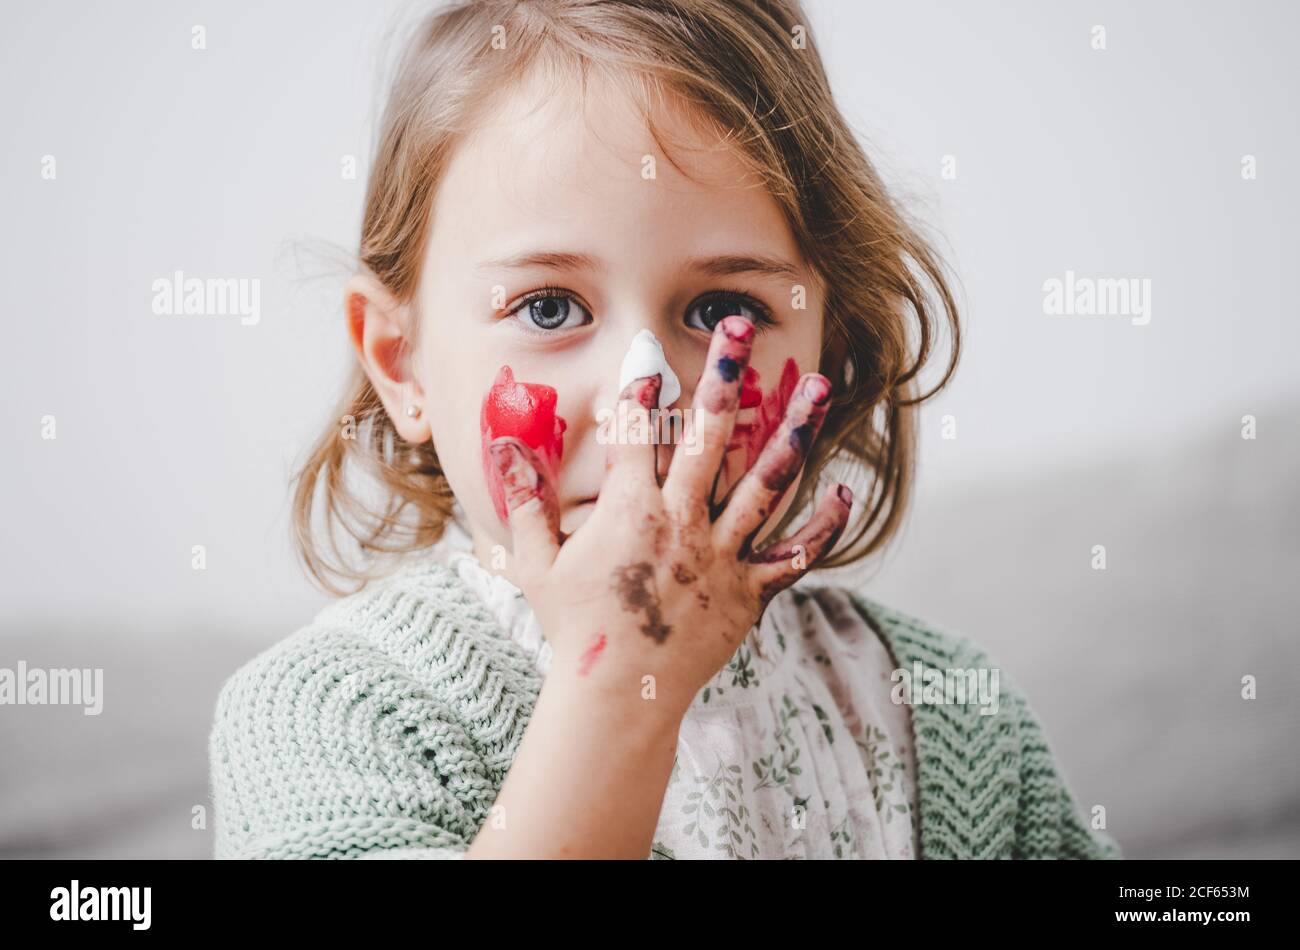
x,y
793,750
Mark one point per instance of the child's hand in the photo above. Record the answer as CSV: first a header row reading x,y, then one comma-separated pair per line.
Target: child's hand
x,y
654,582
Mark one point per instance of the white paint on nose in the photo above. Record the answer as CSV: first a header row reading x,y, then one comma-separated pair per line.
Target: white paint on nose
x,y
645,357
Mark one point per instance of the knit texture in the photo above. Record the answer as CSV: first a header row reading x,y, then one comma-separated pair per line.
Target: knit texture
x,y
988,785
385,727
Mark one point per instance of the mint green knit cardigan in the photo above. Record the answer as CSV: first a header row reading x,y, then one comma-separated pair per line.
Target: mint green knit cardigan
x,y
386,726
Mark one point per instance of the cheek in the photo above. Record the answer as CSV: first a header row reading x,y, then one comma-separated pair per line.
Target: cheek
x,y
525,411
454,434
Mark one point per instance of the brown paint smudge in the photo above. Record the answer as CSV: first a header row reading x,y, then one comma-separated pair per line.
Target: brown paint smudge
x,y
635,590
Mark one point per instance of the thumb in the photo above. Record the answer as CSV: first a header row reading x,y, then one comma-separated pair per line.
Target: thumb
x,y
534,510
630,454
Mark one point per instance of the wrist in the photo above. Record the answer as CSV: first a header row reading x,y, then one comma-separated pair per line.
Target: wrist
x,y
619,703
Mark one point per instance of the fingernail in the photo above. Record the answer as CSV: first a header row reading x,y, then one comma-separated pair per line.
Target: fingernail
x,y
643,390
504,454
737,328
845,495
817,389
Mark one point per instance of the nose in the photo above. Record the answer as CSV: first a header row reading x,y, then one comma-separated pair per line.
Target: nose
x,y
640,353
645,356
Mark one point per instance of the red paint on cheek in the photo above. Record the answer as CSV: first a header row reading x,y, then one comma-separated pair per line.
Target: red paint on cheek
x,y
751,393
591,654
753,435
527,412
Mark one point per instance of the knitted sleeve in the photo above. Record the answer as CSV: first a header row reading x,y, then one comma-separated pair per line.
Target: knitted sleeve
x,y
1049,822
990,786
382,730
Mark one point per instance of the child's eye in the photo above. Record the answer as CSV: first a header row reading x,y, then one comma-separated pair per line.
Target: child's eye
x,y
550,309
726,303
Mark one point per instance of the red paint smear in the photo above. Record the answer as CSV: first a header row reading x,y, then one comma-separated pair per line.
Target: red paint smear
x,y
591,655
753,435
527,412
751,393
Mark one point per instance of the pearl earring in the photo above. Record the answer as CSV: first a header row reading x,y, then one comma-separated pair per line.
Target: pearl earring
x,y
413,411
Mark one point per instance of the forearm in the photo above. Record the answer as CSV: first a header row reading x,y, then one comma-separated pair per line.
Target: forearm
x,y
589,778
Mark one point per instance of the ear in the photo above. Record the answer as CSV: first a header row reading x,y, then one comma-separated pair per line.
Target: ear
x,y
378,326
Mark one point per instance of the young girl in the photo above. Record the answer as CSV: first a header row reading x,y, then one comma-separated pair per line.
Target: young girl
x,y
628,284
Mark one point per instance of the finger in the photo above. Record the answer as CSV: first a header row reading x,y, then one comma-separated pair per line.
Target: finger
x,y
534,510
630,449
783,562
713,416
759,491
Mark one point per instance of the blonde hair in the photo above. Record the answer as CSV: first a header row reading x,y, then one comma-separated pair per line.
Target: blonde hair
x,y
770,97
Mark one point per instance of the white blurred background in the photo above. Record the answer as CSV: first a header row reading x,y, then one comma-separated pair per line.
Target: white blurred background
x,y
1071,431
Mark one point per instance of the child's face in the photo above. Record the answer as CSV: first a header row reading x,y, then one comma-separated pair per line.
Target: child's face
x,y
538,178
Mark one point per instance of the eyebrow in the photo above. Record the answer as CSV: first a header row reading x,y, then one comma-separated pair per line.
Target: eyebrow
x,y
724,265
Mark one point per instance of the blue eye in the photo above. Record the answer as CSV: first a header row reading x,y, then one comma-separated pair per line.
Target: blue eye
x,y
712,308
550,309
